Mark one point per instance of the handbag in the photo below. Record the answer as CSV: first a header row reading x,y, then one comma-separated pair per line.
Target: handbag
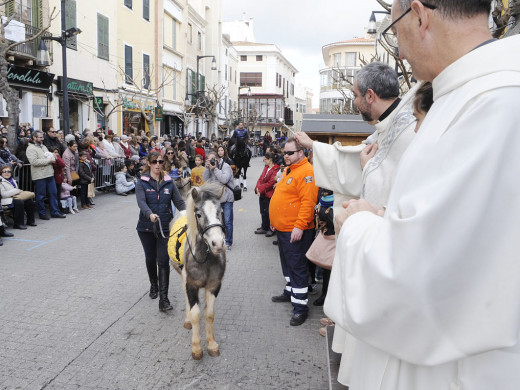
x,y
237,192
74,176
91,192
24,195
322,251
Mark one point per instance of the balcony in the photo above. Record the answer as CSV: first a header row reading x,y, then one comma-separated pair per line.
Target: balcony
x,y
28,50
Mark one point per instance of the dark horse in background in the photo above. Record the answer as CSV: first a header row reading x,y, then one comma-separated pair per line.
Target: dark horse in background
x,y
241,155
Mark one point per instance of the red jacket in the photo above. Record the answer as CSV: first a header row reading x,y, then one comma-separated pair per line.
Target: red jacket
x,y
267,180
58,165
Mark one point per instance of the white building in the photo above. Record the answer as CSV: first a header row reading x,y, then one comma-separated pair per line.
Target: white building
x,y
342,60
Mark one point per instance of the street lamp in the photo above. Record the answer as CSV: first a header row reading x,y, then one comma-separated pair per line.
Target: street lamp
x,y
43,60
213,67
249,94
372,23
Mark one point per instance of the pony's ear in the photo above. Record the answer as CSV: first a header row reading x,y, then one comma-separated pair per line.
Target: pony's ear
x,y
194,194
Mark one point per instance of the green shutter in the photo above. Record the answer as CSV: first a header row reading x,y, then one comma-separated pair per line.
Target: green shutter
x,y
70,21
146,71
146,9
37,11
102,37
128,64
10,8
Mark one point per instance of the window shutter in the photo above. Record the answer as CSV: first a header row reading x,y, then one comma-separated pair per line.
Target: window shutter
x,y
10,8
37,11
70,21
128,65
102,36
146,71
146,9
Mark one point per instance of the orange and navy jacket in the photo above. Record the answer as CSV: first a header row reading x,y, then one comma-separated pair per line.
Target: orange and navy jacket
x,y
294,198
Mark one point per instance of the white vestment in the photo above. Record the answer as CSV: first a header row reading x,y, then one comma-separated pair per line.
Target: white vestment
x,y
432,290
338,168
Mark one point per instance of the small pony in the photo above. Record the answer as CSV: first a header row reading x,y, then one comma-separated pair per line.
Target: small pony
x,y
204,262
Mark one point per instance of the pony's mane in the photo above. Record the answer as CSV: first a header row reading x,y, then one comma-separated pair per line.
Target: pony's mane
x,y
241,143
206,192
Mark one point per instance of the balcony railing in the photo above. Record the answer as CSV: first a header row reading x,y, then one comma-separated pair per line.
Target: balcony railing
x,y
30,49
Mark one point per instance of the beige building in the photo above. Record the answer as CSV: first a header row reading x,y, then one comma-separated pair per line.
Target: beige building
x,y
342,60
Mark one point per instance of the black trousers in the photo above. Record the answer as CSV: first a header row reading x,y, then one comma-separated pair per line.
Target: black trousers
x,y
155,250
264,212
83,191
23,207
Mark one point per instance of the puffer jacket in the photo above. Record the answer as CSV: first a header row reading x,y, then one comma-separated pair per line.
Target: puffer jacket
x,y
7,191
266,181
122,185
157,198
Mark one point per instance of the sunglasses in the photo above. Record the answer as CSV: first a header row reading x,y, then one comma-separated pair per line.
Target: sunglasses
x,y
290,152
6,171
51,132
160,162
170,153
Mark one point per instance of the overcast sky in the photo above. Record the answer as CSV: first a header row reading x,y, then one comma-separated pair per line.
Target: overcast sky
x,y
300,28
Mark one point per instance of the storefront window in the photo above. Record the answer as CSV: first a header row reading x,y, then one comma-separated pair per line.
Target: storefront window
x,y
133,122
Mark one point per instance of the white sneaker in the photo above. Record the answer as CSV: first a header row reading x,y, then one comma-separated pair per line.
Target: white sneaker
x,y
72,211
76,210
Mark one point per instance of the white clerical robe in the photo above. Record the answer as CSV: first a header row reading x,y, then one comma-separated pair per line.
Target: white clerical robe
x,y
432,290
338,168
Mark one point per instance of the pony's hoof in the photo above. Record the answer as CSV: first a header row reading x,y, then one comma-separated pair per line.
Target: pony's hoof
x,y
245,189
241,185
187,325
196,355
214,353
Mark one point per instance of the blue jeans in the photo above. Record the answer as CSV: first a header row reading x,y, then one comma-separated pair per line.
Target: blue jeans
x,y
43,187
227,207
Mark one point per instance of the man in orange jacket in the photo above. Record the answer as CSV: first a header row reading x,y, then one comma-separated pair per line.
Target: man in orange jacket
x,y
291,212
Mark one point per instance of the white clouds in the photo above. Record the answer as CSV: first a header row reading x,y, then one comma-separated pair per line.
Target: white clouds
x,y
300,28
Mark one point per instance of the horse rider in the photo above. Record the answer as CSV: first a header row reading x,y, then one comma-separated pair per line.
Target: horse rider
x,y
240,132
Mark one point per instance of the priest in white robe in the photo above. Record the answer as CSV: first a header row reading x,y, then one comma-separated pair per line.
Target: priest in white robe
x,y
338,167
431,290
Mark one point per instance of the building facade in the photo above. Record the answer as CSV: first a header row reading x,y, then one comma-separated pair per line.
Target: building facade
x,y
342,60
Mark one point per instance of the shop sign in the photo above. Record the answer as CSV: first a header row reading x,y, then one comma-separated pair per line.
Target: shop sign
x,y
131,105
77,86
98,104
30,78
158,114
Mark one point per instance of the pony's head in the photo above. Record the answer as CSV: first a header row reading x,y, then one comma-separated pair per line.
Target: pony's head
x,y
205,217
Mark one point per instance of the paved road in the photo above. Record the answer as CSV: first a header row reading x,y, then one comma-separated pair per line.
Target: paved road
x,y
75,314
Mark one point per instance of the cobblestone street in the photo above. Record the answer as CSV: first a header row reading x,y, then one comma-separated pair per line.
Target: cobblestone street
x,y
75,311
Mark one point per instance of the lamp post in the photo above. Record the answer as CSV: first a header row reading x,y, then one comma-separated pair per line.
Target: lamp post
x,y
372,24
213,67
43,60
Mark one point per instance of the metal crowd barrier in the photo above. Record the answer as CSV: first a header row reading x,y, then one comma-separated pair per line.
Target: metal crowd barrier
x,y
105,176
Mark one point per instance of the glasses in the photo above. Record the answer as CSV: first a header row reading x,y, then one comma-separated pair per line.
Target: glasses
x,y
160,162
388,35
170,153
290,152
6,171
51,131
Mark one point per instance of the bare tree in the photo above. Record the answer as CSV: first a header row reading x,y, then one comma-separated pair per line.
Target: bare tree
x,y
210,101
142,93
11,95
